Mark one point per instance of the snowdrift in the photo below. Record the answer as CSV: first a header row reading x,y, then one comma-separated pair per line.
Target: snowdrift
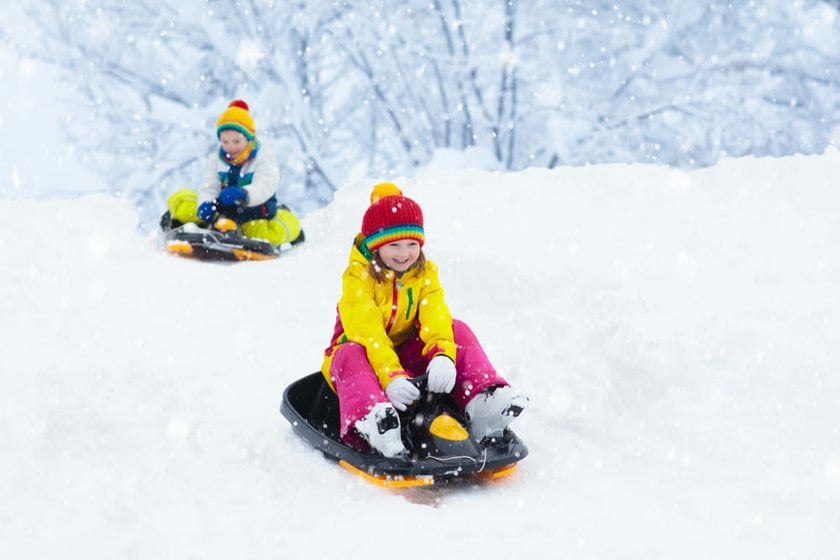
x,y
676,331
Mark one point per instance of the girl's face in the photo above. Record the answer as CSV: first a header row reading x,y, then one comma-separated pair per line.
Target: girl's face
x,y
400,255
233,142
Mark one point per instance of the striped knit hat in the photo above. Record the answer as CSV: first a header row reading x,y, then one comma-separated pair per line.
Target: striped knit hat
x,y
391,217
236,117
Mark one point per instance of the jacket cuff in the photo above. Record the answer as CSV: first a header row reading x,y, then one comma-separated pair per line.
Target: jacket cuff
x,y
438,350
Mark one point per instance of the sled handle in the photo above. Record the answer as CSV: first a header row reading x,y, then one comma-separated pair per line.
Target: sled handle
x,y
421,382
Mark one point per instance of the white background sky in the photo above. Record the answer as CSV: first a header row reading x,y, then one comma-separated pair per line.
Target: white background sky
x,y
33,149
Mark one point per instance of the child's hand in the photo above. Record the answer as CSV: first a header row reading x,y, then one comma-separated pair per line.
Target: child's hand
x,y
207,212
401,392
231,197
441,372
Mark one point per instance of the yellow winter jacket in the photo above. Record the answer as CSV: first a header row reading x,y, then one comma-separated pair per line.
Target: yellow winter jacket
x,y
382,315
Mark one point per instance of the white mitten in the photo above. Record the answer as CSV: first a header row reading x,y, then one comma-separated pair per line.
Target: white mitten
x,y
441,371
401,392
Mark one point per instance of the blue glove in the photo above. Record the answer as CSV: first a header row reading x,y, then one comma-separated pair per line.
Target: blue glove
x,y
441,373
401,392
231,197
207,212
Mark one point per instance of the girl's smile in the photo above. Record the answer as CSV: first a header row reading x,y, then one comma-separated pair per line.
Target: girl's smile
x,y
400,255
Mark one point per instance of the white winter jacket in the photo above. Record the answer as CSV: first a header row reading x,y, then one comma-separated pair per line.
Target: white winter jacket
x,y
262,171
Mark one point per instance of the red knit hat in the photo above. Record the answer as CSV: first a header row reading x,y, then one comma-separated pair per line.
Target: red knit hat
x,y
391,217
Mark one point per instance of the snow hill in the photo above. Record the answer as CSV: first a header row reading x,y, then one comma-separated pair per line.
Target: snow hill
x,y
677,333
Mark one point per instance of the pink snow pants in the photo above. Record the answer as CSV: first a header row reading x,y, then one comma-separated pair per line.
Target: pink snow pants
x,y
358,387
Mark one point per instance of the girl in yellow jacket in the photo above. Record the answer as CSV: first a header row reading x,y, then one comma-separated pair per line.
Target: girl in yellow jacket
x,y
393,324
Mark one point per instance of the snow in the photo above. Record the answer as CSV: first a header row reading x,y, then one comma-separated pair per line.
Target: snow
x,y
676,332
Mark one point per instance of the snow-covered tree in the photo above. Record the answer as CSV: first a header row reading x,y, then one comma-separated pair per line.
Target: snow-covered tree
x,y
377,87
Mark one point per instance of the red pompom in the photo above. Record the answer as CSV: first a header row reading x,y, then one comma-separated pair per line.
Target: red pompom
x,y
239,103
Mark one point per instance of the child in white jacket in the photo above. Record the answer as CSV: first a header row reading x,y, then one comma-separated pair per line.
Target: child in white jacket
x,y
239,182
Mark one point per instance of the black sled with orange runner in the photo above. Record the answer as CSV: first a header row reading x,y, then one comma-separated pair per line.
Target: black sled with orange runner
x,y
435,433
221,241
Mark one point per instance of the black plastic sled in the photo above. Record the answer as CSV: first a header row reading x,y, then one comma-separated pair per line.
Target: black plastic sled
x,y
221,242
440,448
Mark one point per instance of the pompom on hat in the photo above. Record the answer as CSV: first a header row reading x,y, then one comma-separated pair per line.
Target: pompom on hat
x,y
236,117
391,217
